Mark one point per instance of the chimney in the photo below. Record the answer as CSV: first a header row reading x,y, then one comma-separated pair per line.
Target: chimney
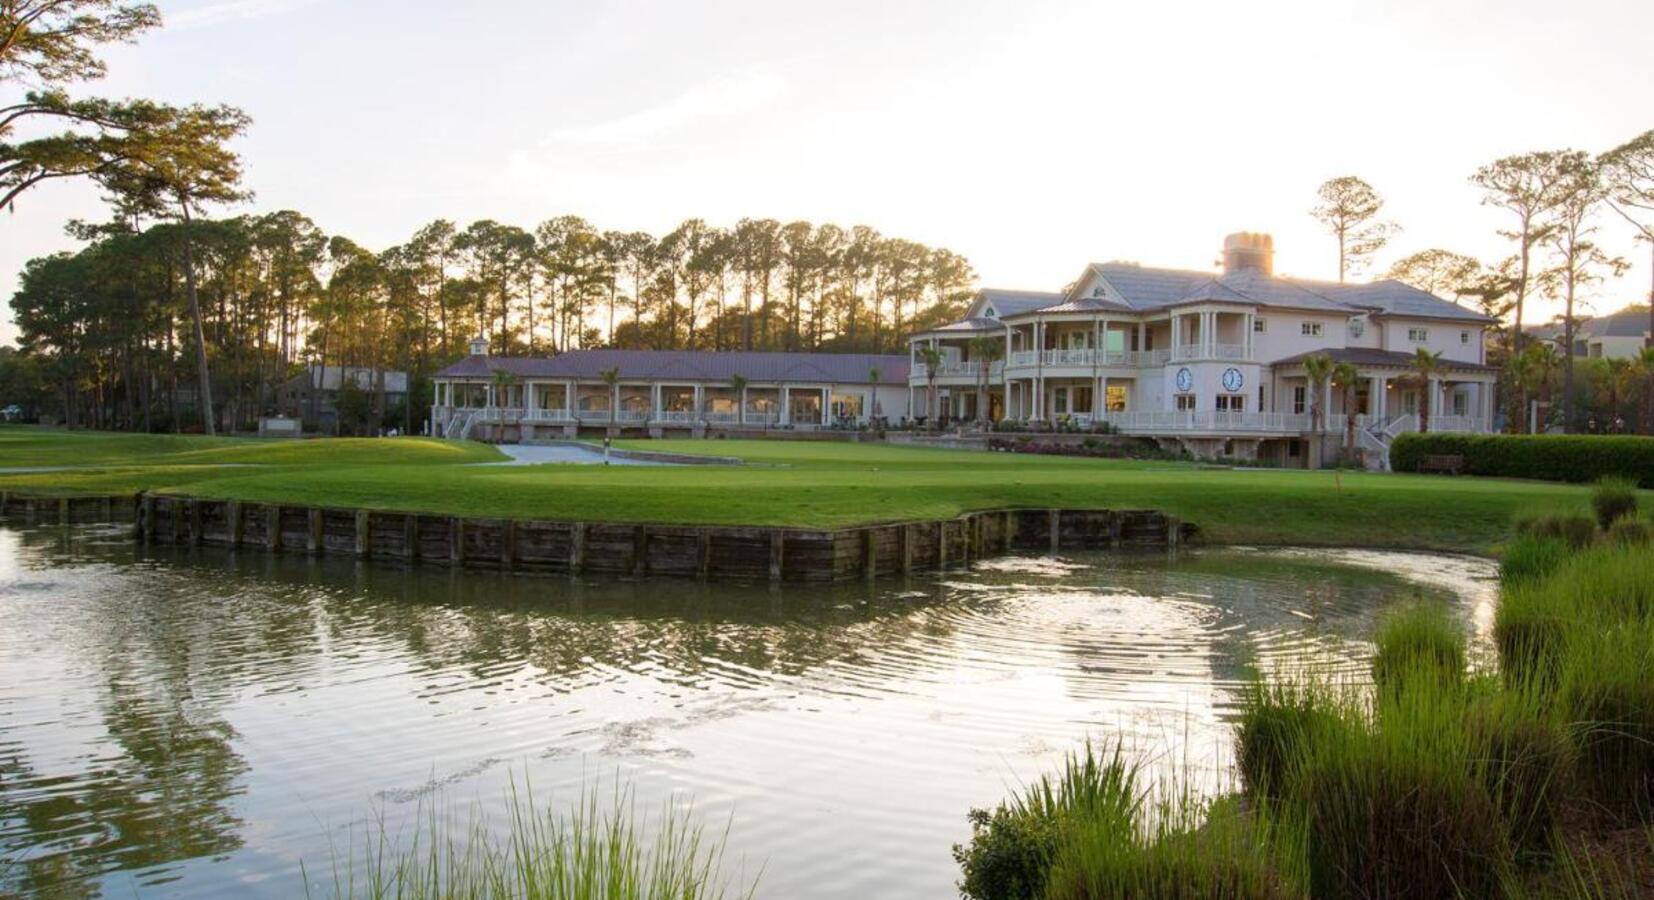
x,y
1249,250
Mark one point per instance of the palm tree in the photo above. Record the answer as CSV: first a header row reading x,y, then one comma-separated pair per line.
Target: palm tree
x,y
611,378
1346,376
1645,364
1520,370
1425,367
932,358
1318,369
738,383
1620,375
986,348
873,376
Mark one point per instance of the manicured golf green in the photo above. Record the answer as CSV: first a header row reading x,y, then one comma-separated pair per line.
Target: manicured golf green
x,y
791,483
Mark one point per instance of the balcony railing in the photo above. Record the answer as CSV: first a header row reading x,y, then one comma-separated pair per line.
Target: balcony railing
x,y
1133,359
1211,420
920,371
1215,351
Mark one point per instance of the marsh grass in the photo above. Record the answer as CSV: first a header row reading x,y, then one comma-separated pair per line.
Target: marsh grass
x,y
1418,639
1574,529
1611,498
596,849
1530,557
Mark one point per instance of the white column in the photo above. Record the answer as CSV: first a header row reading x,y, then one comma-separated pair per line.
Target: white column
x,y
1142,336
826,398
1099,399
700,400
655,401
568,397
786,405
528,396
614,402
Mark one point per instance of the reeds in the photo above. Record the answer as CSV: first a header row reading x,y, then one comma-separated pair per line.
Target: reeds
x,y
594,850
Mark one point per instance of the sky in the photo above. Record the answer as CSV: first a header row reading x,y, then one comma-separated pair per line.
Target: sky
x,y
1031,136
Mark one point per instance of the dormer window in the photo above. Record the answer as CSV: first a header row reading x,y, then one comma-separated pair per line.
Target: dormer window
x,y
1358,327
1099,291
990,312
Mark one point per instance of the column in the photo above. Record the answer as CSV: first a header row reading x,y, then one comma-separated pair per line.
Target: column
x,y
614,403
568,398
528,398
1142,336
1177,340
786,405
700,400
826,398
1375,397
1099,398
654,401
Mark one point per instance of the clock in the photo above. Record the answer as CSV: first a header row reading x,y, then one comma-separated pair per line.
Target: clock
x,y
1185,380
1232,380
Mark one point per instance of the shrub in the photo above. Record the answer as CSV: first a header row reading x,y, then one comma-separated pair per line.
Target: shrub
x,y
1529,557
1577,458
1629,532
1418,639
1195,850
1278,722
1575,530
1012,848
1611,498
1398,807
1608,690
1530,765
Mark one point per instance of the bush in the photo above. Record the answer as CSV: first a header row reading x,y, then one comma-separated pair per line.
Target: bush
x,y
1196,850
1611,498
1418,639
1012,848
1629,532
1576,531
1278,722
1399,806
1529,557
1608,690
1560,457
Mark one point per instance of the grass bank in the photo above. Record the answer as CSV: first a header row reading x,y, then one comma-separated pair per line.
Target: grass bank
x,y
804,484
1529,775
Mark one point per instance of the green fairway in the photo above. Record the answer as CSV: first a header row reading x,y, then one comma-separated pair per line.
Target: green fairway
x,y
791,483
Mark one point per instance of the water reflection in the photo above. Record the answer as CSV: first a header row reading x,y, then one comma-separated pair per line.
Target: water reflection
x,y
195,722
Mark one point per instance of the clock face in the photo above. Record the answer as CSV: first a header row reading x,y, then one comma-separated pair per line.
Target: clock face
x,y
1232,380
1185,379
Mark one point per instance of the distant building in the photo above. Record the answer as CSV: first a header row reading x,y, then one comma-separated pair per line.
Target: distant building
x,y
324,384
661,391
1620,335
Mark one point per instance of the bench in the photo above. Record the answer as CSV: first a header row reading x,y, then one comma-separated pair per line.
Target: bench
x,y
1448,463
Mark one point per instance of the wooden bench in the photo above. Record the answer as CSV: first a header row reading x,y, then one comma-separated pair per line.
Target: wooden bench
x,y
1448,463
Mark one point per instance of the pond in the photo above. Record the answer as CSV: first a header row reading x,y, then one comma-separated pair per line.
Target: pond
x,y
197,723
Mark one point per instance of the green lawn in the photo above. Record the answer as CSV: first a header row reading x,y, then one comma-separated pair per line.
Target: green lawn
x,y
792,483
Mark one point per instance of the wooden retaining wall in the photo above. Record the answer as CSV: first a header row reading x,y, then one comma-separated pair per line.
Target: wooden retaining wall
x,y
613,549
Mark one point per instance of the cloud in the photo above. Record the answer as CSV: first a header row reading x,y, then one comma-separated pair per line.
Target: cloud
x,y
727,95
232,11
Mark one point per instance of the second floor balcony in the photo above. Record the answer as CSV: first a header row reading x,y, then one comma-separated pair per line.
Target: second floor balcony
x,y
1054,359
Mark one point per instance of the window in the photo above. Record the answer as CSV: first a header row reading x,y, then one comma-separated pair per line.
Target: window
x,y
1082,400
1116,398
1185,402
1310,329
1358,327
1300,396
1418,335
1461,403
1059,400
1259,326
1464,337
1231,402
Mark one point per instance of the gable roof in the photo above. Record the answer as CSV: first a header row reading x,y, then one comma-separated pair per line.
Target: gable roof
x,y
1153,289
691,366
1009,302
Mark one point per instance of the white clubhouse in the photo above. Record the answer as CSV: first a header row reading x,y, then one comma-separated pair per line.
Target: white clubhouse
x,y
1211,363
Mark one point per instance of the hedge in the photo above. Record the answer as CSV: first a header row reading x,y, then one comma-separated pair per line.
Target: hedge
x,y
1546,457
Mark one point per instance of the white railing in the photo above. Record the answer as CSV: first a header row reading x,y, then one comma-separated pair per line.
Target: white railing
x,y
1230,351
1135,359
677,416
1457,424
722,418
1215,351
1211,420
549,415
753,418
921,372
1189,351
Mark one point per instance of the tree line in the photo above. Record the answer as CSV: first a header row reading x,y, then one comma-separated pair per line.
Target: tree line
x,y
1555,202
113,329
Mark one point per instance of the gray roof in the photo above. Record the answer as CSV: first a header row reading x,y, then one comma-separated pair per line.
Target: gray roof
x,y
1149,289
1631,322
972,324
691,365
1009,302
1083,305
1371,356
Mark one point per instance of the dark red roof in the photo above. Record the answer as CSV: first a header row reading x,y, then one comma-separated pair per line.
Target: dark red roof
x,y
691,365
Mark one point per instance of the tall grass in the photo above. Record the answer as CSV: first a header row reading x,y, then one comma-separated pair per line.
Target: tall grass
x,y
1530,557
1419,638
1613,497
594,850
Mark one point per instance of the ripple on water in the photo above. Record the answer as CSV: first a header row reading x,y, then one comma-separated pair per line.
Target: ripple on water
x,y
194,723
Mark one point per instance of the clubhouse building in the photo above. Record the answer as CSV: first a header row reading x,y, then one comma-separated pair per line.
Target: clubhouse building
x,y
1212,362
1209,362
